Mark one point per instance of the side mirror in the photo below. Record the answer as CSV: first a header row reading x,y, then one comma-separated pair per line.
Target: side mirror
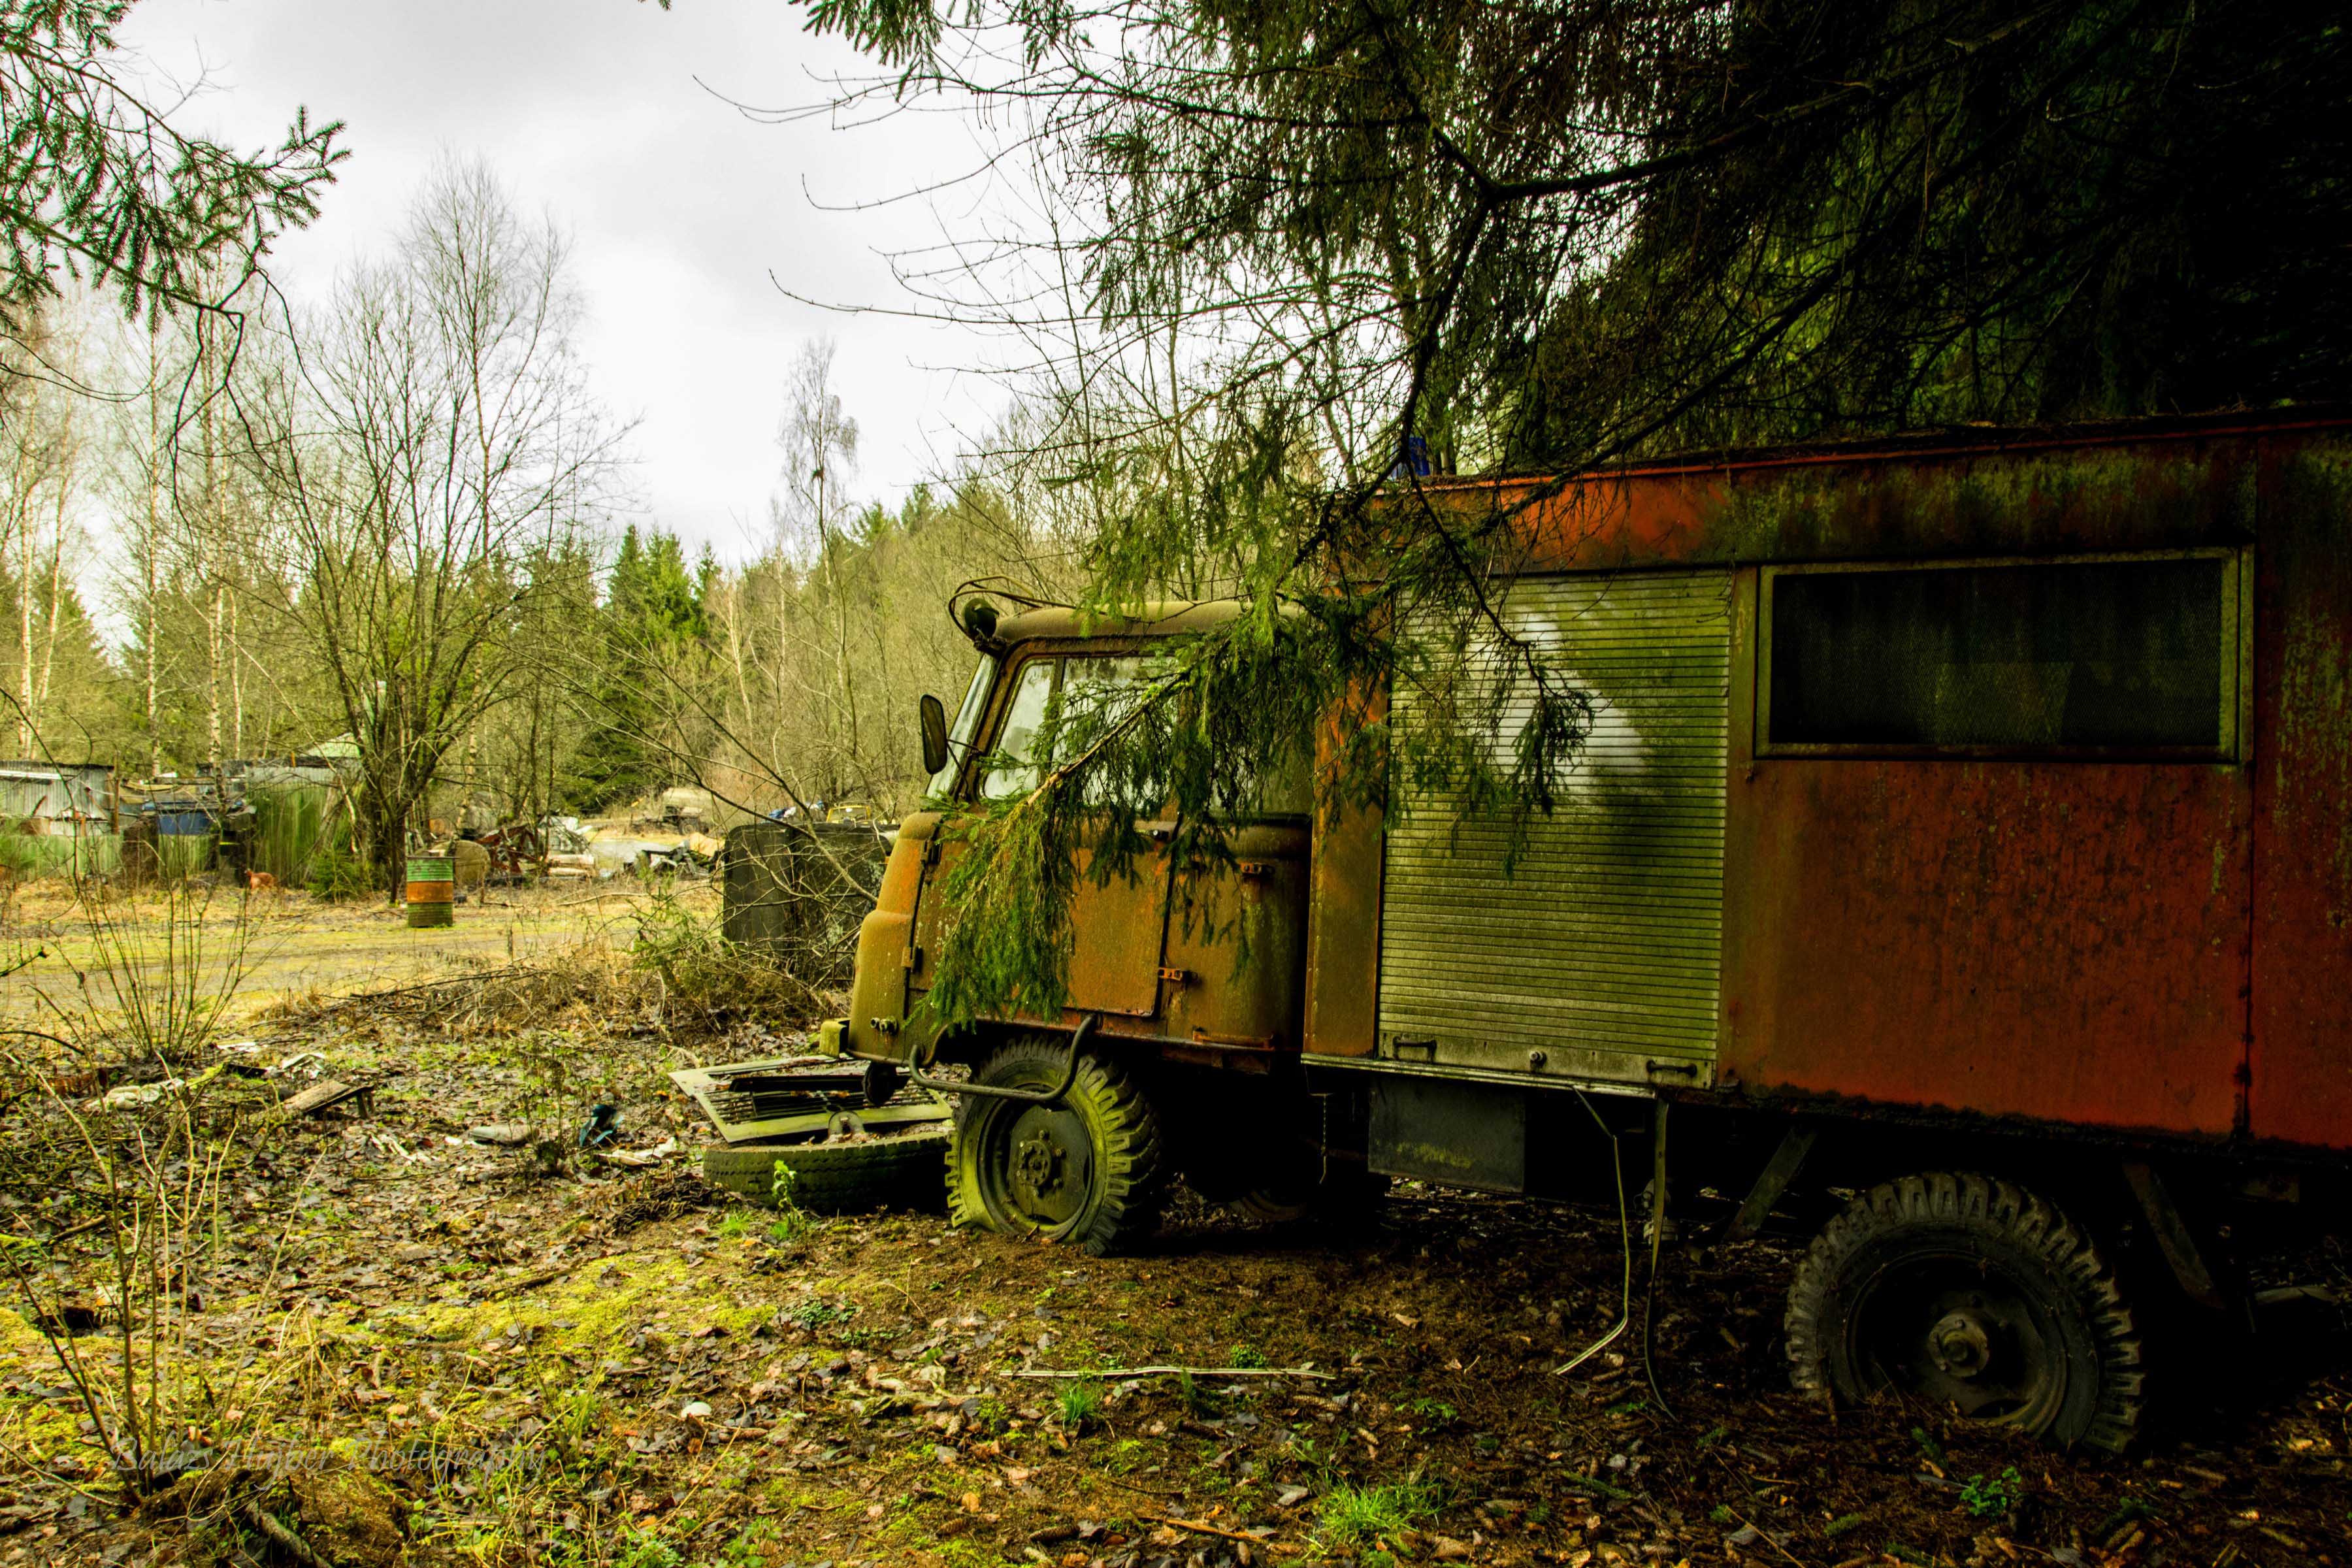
x,y
935,733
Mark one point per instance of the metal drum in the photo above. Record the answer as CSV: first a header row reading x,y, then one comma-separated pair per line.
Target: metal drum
x,y
432,891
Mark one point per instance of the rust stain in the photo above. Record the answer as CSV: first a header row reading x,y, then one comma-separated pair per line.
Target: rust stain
x,y
2299,1065
2011,939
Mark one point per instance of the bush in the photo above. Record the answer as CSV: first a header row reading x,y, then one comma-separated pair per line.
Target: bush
x,y
701,972
336,873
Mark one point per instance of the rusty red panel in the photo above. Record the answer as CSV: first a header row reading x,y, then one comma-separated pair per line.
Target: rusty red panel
x,y
2301,1065
2058,941
1343,920
2176,489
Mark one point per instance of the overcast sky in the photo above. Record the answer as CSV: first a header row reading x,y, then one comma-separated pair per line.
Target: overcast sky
x,y
603,114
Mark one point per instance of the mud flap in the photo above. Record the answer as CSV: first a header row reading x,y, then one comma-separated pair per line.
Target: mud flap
x,y
1457,1133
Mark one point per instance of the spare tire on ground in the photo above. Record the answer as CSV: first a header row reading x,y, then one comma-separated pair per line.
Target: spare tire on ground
x,y
898,1170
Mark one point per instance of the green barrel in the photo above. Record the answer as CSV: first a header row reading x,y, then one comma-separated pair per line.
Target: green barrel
x,y
432,891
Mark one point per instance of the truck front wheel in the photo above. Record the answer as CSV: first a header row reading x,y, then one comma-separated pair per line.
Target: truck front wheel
x,y
1086,1170
1968,1292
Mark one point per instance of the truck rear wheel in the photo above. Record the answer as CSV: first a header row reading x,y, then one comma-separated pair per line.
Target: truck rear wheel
x,y
1086,1171
1968,1292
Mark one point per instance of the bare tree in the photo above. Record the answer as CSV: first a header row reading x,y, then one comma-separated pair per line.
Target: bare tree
x,y
449,413
64,473
148,544
42,459
26,463
163,488
820,446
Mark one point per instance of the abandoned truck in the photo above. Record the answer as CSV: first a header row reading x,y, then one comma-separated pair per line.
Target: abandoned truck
x,y
1960,860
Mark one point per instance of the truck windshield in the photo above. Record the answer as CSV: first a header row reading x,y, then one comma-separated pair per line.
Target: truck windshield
x,y
959,733
1094,684
1097,689
1011,768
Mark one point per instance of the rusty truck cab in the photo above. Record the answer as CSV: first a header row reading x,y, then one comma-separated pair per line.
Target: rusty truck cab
x,y
1153,971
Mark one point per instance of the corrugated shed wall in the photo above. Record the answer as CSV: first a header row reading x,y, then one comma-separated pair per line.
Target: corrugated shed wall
x,y
1601,945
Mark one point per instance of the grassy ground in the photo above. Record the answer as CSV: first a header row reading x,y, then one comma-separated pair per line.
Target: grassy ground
x,y
291,947
362,1339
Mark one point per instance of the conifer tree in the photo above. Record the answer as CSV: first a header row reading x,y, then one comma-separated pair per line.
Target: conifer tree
x,y
654,626
1300,256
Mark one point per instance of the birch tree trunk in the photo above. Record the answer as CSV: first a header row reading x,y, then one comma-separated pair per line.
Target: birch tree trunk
x,y
209,552
151,542
57,574
20,503
235,685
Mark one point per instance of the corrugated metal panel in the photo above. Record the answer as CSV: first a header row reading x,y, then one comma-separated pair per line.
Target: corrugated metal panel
x,y
1602,947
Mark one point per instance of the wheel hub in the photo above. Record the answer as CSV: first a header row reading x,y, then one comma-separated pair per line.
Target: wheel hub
x,y
1951,1329
1960,1344
1038,1165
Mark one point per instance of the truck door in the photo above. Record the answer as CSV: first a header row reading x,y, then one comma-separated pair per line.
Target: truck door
x,y
1118,925
1595,953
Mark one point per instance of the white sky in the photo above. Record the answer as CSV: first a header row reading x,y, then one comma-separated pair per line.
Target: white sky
x,y
679,208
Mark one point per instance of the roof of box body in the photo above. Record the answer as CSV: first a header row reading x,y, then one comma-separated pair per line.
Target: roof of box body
x,y
1160,618
1951,440
1174,618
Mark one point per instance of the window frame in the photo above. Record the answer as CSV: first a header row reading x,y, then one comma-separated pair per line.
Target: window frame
x,y
1010,679
970,779
2236,665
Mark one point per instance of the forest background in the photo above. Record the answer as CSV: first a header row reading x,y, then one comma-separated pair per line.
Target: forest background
x,y
402,522
1272,264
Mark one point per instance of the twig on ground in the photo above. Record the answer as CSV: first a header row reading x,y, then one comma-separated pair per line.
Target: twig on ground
x,y
1131,1487
1107,1373
270,1525
1769,1538
1599,1488
365,998
1198,1528
532,1281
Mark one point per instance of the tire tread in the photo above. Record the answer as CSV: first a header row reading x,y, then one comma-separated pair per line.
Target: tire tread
x,y
832,1177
